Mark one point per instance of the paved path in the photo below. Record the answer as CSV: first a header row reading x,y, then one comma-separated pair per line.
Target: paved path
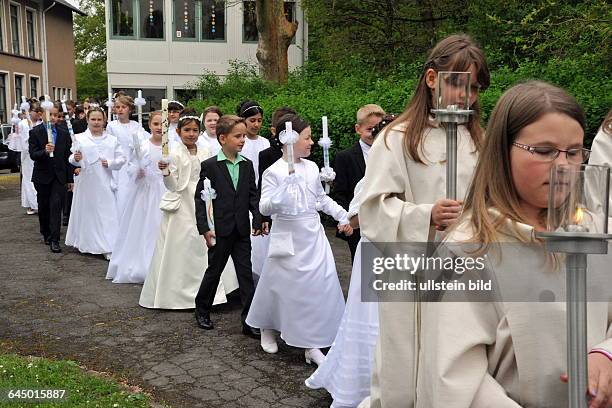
x,y
60,305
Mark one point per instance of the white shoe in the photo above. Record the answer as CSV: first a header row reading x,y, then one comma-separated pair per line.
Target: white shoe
x,y
314,356
107,256
268,341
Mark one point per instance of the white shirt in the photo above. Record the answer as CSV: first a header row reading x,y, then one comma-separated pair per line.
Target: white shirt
x,y
365,149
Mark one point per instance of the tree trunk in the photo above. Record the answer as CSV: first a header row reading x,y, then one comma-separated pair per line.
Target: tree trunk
x,y
275,35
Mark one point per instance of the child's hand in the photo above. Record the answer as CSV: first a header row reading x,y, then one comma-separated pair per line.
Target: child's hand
x,y
256,232
346,229
209,237
77,171
104,163
600,381
265,228
140,174
78,156
445,212
162,165
49,147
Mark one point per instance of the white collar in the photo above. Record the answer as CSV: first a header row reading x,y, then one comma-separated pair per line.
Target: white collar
x,y
364,146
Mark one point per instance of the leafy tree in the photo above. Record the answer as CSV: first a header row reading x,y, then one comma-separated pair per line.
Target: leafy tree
x,y
90,49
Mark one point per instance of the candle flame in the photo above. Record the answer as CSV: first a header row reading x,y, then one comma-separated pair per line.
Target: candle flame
x,y
578,216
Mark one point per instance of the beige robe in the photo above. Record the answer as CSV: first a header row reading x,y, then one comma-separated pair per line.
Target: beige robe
x,y
503,354
397,200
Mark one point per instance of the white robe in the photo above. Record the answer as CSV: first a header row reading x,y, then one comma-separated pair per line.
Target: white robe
x,y
396,207
94,220
507,353
259,243
139,224
205,141
601,154
124,133
181,257
347,368
299,295
28,192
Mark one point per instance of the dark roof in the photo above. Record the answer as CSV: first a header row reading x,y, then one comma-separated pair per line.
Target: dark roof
x,y
65,3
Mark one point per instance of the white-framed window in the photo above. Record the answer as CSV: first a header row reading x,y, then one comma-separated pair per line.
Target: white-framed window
x,y
19,87
15,20
4,90
2,25
137,19
249,19
31,31
34,83
200,20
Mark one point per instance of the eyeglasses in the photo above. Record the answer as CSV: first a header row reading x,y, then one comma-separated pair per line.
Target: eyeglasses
x,y
549,154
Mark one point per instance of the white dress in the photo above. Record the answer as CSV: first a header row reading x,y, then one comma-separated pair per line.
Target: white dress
x,y
347,368
28,192
298,294
139,224
124,133
205,141
181,257
94,221
259,243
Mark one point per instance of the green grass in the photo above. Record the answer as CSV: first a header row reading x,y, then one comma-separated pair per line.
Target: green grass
x,y
83,389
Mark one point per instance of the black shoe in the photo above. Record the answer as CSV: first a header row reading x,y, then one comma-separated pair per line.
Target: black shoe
x,y
47,240
65,222
251,331
55,247
204,321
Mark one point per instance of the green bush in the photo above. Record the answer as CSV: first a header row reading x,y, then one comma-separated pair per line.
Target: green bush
x,y
315,92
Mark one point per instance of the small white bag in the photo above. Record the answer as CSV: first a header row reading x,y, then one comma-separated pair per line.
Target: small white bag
x,y
170,202
281,245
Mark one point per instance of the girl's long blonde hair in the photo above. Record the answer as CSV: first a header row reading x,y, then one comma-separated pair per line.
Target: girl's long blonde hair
x,y
454,53
492,186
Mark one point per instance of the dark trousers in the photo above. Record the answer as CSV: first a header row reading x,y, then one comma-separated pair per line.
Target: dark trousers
x,y
67,205
239,248
353,240
50,199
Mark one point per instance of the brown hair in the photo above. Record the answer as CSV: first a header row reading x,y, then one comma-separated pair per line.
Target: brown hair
x,y
279,113
606,126
152,114
125,100
96,109
226,123
454,53
492,186
212,109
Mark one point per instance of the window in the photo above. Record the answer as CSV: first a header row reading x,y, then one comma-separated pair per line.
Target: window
x,y
201,20
69,93
18,88
30,29
3,110
123,18
184,19
152,18
152,96
33,87
1,26
141,19
15,17
249,16
213,20
185,95
249,23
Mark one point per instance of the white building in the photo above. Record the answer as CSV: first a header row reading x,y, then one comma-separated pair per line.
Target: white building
x,y
163,46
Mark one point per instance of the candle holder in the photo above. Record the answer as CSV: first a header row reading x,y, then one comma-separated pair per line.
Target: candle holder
x,y
577,225
452,96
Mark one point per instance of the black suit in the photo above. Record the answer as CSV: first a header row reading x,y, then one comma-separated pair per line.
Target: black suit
x,y
50,176
232,230
349,166
267,157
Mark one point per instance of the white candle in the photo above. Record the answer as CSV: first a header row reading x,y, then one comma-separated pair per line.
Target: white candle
x,y
325,134
164,114
290,161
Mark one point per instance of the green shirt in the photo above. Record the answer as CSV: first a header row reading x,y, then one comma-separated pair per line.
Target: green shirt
x,y
232,167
